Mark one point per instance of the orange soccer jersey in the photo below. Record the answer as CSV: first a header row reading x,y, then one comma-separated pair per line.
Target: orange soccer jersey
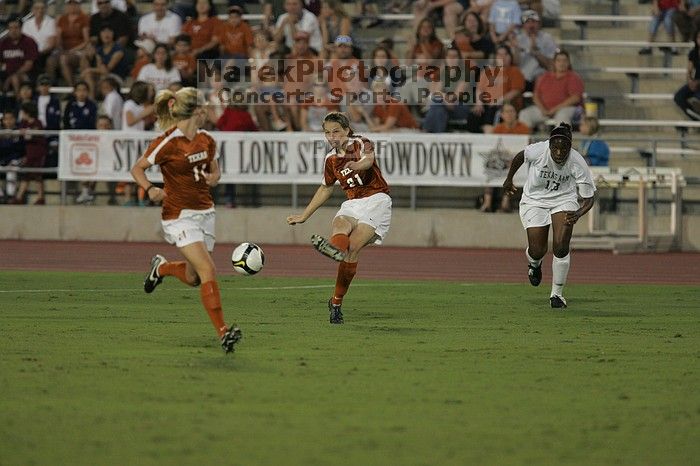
x,y
182,163
355,184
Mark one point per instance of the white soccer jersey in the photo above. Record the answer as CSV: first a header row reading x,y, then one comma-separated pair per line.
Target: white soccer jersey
x,y
550,185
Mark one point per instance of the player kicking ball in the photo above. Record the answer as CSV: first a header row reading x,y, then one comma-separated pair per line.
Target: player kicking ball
x,y
556,176
362,219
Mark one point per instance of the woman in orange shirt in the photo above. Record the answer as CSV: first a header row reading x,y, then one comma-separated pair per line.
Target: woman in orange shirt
x,y
202,30
187,158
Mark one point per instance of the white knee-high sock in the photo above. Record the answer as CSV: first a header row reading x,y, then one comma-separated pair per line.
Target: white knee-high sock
x,y
530,260
560,270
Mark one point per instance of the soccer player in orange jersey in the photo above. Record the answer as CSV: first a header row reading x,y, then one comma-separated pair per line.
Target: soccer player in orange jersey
x,y
187,158
364,218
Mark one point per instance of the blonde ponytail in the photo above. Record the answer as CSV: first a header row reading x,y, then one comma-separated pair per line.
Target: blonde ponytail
x,y
172,107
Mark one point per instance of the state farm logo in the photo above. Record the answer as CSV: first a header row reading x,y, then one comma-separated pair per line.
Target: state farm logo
x,y
83,159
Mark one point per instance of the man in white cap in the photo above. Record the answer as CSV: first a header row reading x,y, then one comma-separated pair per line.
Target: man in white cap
x,y
533,48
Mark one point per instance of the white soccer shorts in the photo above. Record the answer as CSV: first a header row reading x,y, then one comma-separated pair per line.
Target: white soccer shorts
x,y
374,210
538,216
191,227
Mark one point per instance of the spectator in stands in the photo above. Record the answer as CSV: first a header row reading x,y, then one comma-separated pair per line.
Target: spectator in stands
x,y
507,87
161,25
504,18
112,102
444,96
35,149
81,111
472,38
688,96
26,94
389,113
296,18
184,61
426,42
117,20
509,125
481,8
687,18
41,28
203,31
138,107
236,117
144,56
109,60
344,72
313,111
594,150
333,22
557,94
73,37
137,111
533,49
11,152
451,10
49,114
161,72
386,67
293,87
235,35
662,12
18,52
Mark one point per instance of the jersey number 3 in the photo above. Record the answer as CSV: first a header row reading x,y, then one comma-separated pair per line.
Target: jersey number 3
x,y
199,171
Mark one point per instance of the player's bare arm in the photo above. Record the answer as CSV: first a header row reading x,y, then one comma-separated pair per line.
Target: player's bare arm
x,y
323,193
515,164
138,171
586,204
214,175
365,162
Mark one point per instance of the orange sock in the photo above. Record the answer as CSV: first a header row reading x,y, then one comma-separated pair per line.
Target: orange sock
x,y
341,241
211,298
174,269
346,272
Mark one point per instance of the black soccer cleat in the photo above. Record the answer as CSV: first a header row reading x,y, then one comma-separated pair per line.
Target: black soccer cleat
x,y
534,274
336,315
327,249
557,302
232,336
153,279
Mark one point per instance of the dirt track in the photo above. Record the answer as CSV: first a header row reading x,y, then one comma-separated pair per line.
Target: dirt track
x,y
453,264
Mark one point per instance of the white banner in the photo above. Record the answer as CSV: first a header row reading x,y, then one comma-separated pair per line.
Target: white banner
x,y
419,159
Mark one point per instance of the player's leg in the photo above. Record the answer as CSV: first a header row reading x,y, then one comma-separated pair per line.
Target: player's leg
x,y
335,248
561,260
536,221
202,263
361,235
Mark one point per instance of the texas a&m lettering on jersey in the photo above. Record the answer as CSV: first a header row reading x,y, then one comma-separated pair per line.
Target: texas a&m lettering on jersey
x,y
356,184
183,163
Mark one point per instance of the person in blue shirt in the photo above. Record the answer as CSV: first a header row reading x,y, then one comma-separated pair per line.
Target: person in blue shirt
x,y
594,150
81,112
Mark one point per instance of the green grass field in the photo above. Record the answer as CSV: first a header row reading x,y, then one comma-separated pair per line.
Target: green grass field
x,y
422,373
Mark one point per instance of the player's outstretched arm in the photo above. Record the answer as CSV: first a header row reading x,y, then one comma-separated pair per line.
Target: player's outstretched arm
x,y
515,164
322,194
365,162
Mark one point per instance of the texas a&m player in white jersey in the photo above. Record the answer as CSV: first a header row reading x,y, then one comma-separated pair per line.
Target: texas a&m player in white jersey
x,y
362,219
557,176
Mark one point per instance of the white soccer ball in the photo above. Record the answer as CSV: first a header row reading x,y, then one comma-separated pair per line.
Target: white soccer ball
x,y
248,259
